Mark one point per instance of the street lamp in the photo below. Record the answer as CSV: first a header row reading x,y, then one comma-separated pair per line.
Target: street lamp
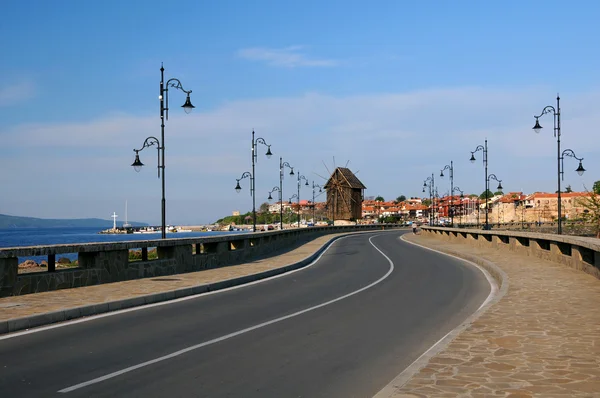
x,y
462,195
300,178
483,148
315,186
238,189
430,182
160,145
451,168
276,189
537,128
255,143
282,166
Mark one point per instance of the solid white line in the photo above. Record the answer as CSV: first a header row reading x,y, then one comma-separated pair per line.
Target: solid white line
x,y
168,302
234,334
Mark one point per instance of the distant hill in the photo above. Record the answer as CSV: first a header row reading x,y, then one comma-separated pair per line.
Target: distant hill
x,y
7,221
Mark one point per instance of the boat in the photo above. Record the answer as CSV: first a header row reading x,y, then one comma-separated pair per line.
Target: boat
x,y
147,230
174,229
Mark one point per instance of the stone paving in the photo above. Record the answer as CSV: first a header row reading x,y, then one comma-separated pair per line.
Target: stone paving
x,y
40,303
542,339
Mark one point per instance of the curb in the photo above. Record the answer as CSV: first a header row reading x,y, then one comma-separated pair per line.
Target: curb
x,y
502,281
32,321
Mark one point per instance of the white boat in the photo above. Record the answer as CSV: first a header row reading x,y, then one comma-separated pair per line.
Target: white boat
x,y
174,229
147,230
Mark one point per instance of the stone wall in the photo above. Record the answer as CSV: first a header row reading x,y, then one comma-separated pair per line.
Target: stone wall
x,y
109,262
576,252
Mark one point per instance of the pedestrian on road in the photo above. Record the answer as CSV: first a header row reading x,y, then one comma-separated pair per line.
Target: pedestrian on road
x,y
414,228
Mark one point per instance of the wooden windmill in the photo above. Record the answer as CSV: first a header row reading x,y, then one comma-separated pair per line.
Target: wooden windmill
x,y
344,195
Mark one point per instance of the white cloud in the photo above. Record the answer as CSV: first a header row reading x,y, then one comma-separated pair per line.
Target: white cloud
x,y
395,140
13,94
289,57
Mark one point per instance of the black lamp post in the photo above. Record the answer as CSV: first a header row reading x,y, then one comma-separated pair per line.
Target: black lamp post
x,y
315,186
537,128
430,183
300,178
255,143
282,166
238,189
483,148
276,189
151,141
462,195
451,168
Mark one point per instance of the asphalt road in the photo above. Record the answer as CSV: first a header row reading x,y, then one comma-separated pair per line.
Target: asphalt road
x,y
234,344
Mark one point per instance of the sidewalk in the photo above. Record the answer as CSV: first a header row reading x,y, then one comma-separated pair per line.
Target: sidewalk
x,y
31,310
541,339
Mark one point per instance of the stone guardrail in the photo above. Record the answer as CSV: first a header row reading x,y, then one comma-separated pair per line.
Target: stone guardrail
x,y
109,262
576,252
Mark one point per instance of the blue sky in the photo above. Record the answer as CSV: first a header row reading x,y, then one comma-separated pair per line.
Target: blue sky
x,y
396,88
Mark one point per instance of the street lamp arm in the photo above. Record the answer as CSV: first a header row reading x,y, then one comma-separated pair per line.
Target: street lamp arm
x,y
245,174
570,153
175,83
493,177
150,141
289,166
261,141
275,189
548,109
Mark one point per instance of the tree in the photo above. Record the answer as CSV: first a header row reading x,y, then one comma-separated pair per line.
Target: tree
x,y
379,199
568,189
400,198
596,188
489,194
591,203
264,208
426,202
497,193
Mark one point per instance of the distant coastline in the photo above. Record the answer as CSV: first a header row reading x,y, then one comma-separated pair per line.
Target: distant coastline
x,y
8,222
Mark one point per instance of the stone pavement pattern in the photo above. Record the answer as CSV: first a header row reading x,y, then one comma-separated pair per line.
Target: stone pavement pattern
x,y
542,339
40,303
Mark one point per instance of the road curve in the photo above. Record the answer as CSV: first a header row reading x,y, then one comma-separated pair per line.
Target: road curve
x,y
343,327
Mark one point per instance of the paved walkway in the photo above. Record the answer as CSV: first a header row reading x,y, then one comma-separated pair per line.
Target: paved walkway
x,y
541,339
41,303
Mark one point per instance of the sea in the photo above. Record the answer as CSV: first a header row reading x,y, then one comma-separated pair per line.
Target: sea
x,y
15,237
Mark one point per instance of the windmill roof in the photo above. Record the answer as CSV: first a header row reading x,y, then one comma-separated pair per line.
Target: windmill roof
x,y
347,177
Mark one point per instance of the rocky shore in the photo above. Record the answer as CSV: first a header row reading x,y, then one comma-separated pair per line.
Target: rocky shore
x,y
33,266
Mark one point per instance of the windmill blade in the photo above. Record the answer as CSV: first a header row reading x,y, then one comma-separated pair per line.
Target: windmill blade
x,y
346,166
326,168
320,176
334,163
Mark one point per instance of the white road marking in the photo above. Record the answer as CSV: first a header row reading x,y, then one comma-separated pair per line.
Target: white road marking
x,y
417,364
146,306
234,334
